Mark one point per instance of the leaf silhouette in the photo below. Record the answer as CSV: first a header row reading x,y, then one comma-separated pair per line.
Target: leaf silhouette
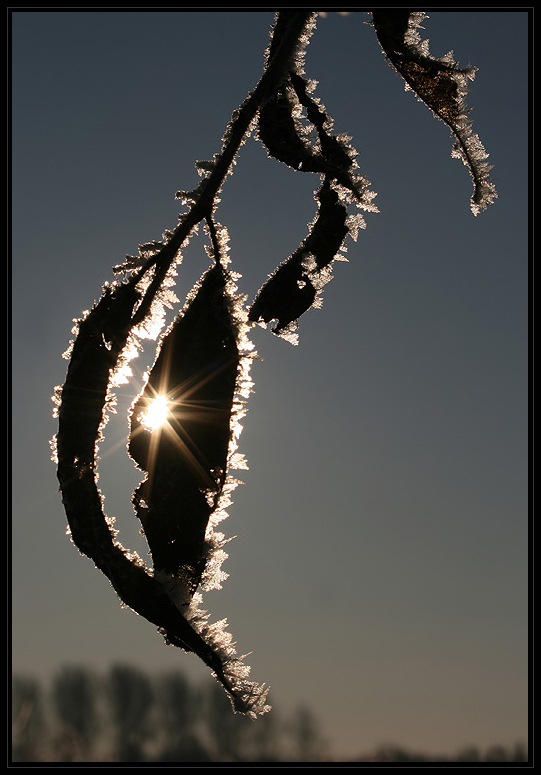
x,y
186,456
296,283
441,85
295,129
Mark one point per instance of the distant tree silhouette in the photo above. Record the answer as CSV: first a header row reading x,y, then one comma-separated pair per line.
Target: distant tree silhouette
x,y
27,722
74,702
307,742
200,378
180,712
128,716
131,695
470,755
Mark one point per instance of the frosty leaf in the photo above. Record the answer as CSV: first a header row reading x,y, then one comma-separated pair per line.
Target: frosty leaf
x,y
80,413
186,456
295,129
294,286
107,338
442,85
101,336
198,375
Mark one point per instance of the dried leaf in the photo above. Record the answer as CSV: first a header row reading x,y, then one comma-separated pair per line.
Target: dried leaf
x,y
185,456
441,85
293,288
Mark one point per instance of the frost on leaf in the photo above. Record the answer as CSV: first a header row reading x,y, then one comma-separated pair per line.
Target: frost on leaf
x,y
441,85
185,457
105,339
295,129
296,284
201,377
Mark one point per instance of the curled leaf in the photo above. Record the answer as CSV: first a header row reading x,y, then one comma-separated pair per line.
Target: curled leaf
x,y
295,285
295,129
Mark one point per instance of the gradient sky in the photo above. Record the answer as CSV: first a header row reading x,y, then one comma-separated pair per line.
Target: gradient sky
x,y
379,573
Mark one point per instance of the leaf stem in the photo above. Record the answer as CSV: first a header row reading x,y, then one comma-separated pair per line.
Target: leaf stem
x,y
203,206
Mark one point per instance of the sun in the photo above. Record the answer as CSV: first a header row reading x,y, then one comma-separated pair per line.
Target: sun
x,y
156,413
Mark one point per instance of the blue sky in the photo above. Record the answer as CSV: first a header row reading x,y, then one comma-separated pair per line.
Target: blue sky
x,y
379,573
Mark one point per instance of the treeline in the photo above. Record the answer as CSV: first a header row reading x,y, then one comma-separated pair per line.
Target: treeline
x,y
125,715
516,754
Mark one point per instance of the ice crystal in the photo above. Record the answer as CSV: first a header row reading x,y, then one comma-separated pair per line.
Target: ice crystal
x,y
354,223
